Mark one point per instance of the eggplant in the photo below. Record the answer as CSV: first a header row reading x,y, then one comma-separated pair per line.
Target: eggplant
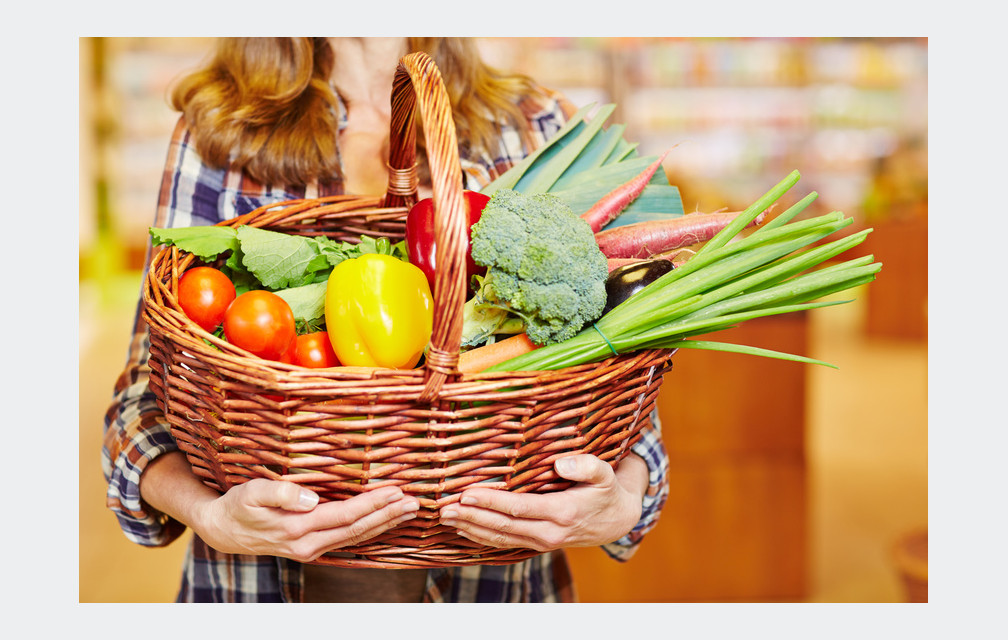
x,y
627,280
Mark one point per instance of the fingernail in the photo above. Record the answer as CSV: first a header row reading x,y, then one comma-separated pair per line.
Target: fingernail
x,y
411,506
468,500
449,514
396,495
566,466
307,499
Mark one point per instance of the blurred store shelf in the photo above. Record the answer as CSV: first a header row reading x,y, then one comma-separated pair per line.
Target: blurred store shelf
x,y
741,113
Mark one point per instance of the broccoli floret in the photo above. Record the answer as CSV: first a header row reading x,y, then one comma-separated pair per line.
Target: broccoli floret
x,y
543,263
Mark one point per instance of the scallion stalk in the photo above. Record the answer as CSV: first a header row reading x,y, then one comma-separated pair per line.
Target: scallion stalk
x,y
770,271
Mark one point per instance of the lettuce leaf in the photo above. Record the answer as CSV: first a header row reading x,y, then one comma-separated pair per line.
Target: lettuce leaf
x,y
204,242
307,301
261,258
280,260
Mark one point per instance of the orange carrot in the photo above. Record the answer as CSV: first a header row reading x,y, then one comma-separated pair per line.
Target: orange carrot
x,y
613,203
478,359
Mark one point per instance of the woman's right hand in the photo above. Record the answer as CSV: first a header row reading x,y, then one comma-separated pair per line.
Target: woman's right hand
x,y
269,517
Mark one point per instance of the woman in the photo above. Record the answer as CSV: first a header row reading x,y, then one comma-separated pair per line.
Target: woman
x,y
274,119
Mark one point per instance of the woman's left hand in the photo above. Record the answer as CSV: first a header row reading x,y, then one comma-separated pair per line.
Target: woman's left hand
x,y
602,507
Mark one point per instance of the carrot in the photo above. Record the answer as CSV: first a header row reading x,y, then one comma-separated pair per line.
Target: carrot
x,y
613,203
478,359
651,237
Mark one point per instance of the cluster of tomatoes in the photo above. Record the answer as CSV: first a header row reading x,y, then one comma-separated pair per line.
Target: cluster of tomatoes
x,y
258,321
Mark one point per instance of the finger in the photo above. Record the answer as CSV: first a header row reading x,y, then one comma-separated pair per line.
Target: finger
x,y
501,539
531,506
584,468
288,496
388,500
362,529
501,528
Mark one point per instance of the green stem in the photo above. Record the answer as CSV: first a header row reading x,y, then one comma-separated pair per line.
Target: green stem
x,y
724,256
747,350
786,217
639,310
726,283
742,220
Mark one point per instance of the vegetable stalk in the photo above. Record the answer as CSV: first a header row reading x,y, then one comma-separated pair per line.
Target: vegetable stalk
x,y
771,271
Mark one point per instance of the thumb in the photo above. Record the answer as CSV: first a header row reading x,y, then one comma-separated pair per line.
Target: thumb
x,y
283,495
584,467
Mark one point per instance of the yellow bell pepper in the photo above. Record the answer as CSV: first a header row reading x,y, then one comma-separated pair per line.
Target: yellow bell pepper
x,y
379,312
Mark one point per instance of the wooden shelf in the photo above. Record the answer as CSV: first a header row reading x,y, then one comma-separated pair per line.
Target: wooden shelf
x,y
898,298
735,524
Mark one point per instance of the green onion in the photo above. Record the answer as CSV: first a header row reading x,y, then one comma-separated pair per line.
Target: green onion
x,y
729,281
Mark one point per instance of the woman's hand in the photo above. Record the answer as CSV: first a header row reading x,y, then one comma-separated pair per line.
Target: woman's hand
x,y
603,507
264,517
267,517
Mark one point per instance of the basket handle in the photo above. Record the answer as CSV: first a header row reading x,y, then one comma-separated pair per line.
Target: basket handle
x,y
418,84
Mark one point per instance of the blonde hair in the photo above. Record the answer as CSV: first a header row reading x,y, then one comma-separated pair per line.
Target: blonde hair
x,y
264,105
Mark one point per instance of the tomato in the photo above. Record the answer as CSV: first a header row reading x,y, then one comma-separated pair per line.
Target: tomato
x,y
204,294
261,322
287,357
420,243
314,350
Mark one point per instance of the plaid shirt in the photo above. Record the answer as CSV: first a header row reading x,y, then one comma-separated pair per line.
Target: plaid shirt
x,y
136,432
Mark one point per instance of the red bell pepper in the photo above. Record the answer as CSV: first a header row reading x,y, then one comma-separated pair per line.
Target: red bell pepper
x,y
420,243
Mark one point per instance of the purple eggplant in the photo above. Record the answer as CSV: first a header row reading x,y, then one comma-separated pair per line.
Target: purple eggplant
x,y
627,280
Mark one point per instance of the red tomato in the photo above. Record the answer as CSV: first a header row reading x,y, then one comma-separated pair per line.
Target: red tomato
x,y
420,243
261,322
204,294
287,357
314,350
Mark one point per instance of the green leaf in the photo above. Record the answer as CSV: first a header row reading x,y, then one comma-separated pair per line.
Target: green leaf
x,y
623,151
612,175
509,178
206,242
243,280
593,156
235,264
543,181
307,301
336,252
279,260
656,201
381,245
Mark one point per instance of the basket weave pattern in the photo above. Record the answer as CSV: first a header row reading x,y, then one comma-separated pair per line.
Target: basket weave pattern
x,y
432,431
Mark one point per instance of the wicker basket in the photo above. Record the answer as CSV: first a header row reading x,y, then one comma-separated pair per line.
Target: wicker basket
x,y
430,430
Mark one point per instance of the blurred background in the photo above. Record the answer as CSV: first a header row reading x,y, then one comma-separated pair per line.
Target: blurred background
x,y
789,482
